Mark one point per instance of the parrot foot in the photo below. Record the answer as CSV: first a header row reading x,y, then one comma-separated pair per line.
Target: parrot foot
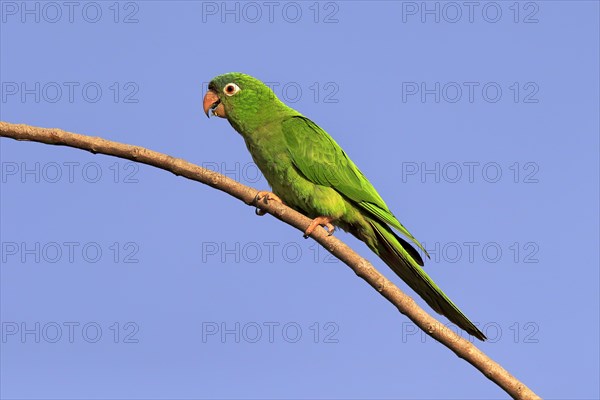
x,y
320,221
266,197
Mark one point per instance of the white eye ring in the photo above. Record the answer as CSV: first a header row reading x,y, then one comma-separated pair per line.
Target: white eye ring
x,y
230,89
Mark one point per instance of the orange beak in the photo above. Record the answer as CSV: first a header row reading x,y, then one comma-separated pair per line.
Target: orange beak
x,y
212,102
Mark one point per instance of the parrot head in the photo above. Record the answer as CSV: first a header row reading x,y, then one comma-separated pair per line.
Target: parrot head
x,y
241,99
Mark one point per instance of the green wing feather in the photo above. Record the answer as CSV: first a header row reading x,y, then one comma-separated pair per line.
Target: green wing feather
x,y
323,162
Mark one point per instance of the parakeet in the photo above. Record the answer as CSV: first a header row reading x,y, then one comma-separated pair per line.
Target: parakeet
x,y
310,173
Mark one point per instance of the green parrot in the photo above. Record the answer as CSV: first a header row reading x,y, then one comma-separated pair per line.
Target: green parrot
x,y
310,173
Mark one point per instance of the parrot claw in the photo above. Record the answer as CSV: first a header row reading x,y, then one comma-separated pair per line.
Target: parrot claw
x,y
320,221
266,197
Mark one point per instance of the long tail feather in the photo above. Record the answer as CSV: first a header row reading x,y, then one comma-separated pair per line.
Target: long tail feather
x,y
392,250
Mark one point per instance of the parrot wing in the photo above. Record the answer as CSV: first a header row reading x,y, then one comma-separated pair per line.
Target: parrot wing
x,y
322,161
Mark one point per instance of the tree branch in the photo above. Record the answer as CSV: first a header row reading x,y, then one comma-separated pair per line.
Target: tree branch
x,y
406,305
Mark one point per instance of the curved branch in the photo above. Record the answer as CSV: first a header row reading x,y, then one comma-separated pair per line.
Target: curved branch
x,y
405,304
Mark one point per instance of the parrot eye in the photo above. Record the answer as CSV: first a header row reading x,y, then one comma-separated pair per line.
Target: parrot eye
x,y
231,89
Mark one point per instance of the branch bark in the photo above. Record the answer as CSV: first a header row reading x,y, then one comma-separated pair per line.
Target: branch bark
x,y
405,304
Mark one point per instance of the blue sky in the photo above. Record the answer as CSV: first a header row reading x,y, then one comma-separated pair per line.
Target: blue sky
x,y
478,124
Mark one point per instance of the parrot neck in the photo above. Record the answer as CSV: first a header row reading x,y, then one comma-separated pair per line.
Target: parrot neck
x,y
253,123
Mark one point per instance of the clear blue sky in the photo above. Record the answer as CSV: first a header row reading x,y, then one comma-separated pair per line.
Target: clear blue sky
x,y
477,124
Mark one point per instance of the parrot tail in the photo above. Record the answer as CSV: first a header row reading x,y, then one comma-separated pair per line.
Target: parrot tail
x,y
402,260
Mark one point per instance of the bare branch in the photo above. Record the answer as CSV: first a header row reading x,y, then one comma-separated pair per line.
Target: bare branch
x,y
405,304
